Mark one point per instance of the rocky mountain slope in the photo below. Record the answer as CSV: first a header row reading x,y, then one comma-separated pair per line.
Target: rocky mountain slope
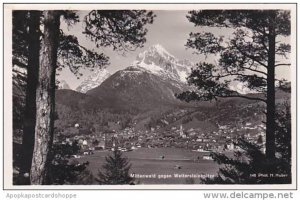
x,y
93,80
150,82
159,61
143,95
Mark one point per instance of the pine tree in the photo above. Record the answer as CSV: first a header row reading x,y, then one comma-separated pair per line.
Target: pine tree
x,y
248,164
26,47
45,99
115,171
63,171
283,140
26,51
123,30
249,56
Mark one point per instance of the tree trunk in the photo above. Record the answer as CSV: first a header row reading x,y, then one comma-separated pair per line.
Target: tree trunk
x,y
270,125
45,99
31,86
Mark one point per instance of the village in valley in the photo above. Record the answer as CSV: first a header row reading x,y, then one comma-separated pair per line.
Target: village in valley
x,y
193,139
196,130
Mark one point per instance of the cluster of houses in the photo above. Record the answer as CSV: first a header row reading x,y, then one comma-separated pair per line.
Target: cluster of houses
x,y
130,139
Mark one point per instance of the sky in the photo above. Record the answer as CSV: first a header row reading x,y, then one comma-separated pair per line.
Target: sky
x,y
170,29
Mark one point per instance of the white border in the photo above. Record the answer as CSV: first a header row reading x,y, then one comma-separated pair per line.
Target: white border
x,y
8,87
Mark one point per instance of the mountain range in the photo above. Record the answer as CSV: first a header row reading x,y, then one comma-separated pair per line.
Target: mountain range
x,y
155,61
144,92
93,80
152,80
160,62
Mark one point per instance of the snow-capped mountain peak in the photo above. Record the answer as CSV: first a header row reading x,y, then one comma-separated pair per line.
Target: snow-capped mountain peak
x,y
161,50
159,61
94,80
240,88
63,85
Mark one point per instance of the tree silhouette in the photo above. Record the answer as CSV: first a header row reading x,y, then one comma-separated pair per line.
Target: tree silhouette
x,y
45,99
115,170
26,55
120,35
26,51
62,170
251,166
283,139
249,56
123,30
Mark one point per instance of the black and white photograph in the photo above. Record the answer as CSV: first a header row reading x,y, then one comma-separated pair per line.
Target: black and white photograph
x,y
154,96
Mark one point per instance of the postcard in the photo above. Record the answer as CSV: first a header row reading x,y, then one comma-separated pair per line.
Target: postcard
x,y
150,96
